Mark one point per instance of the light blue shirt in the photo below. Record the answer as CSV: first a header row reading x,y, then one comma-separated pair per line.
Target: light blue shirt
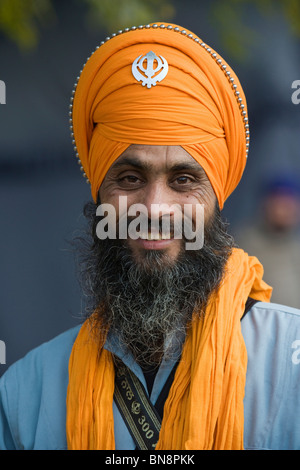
x,y
33,390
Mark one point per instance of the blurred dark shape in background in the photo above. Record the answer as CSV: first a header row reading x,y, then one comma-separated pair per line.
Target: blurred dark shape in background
x,y
274,237
43,44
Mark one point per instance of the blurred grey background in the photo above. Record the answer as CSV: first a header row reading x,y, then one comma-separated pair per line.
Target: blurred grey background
x,y
43,45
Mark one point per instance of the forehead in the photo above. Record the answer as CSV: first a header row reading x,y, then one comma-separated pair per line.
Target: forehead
x,y
156,158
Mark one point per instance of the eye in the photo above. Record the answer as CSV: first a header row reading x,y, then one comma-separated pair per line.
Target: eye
x,y
129,181
183,180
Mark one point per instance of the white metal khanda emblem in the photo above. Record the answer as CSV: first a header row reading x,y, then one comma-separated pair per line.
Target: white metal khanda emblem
x,y
155,70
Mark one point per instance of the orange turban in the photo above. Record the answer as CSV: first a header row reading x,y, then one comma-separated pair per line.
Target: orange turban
x,y
160,85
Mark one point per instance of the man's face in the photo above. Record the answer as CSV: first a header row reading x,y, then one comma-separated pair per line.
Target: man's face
x,y
282,211
152,175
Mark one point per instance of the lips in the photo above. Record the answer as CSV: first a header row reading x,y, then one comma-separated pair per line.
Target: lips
x,y
152,244
153,240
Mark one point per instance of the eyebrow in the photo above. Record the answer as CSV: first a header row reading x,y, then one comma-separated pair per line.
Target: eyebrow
x,y
135,162
131,161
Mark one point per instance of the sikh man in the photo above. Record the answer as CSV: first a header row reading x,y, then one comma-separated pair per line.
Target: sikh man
x,y
181,349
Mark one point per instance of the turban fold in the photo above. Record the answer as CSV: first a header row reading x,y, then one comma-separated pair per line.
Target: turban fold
x,y
197,103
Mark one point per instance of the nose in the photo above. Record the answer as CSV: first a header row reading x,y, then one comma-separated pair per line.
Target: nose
x,y
154,196
160,204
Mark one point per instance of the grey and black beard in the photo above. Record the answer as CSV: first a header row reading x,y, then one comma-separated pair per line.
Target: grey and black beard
x,y
147,303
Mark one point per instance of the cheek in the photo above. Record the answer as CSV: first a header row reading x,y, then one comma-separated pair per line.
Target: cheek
x,y
109,195
121,202
207,198
209,208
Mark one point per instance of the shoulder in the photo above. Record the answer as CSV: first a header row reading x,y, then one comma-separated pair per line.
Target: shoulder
x,y
40,378
275,327
272,398
51,354
271,317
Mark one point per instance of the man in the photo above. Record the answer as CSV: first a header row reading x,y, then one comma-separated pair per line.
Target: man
x,y
181,349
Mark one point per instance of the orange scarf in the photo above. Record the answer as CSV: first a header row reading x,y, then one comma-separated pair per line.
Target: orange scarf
x,y
204,409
